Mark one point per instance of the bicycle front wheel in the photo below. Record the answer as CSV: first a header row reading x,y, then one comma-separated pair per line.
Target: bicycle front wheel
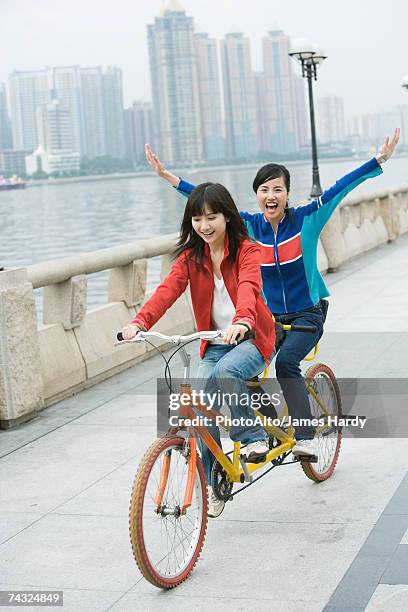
x,y
323,382
166,544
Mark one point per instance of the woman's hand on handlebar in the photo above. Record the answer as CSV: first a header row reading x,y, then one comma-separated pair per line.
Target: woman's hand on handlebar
x,y
234,333
156,165
130,331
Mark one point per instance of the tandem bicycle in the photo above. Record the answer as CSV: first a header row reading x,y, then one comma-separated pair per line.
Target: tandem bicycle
x,y
168,506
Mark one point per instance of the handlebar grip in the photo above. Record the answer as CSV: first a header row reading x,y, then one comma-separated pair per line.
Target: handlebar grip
x,y
307,329
119,336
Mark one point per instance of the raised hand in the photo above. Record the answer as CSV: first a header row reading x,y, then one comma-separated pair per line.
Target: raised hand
x,y
389,145
153,161
156,165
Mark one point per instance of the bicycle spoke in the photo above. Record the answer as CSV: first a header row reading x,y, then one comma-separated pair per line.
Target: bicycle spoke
x,y
170,547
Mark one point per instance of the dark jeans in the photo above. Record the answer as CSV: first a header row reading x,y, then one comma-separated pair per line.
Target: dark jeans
x,y
292,348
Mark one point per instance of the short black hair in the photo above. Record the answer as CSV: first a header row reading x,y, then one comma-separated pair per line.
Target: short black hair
x,y
271,171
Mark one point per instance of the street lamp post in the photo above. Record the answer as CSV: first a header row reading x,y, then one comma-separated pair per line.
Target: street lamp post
x,y
310,57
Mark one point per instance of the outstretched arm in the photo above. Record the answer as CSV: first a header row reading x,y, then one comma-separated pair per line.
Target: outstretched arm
x,y
154,162
388,147
323,207
156,165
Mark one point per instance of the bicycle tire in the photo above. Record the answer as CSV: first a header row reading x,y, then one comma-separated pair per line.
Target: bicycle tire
x,y
146,525
329,447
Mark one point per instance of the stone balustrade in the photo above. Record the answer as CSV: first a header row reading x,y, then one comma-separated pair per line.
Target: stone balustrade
x,y
74,348
361,224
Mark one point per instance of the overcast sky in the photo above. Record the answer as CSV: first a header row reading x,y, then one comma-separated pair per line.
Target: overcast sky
x,y
366,40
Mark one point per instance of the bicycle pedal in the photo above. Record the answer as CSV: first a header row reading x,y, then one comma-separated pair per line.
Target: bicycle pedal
x,y
260,459
307,458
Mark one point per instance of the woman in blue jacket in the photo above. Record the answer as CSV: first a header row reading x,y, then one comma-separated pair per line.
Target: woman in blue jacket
x,y
292,284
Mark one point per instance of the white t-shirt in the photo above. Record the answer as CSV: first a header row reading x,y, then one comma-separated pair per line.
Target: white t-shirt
x,y
223,310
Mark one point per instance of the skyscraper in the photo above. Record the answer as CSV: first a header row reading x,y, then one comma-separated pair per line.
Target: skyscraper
x,y
66,86
5,126
239,96
139,129
113,112
94,113
54,127
54,153
173,74
280,93
330,119
261,118
209,96
302,112
28,90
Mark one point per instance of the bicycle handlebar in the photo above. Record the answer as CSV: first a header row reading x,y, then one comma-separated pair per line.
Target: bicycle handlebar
x,y
203,335
307,329
210,335
142,335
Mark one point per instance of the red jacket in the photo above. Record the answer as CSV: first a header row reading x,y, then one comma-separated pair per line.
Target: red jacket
x,y
242,280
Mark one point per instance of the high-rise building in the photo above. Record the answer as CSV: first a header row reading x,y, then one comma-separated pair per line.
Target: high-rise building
x,y
373,127
239,97
5,125
54,127
209,89
261,119
139,129
302,112
113,112
280,93
66,86
92,91
28,90
92,98
54,153
330,119
173,74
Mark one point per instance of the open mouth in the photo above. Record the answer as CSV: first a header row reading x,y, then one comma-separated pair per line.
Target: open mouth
x,y
207,233
271,207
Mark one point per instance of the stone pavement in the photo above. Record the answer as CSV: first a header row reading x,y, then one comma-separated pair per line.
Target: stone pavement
x,y
284,544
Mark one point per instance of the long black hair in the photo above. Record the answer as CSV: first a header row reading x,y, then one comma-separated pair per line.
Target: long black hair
x,y
218,199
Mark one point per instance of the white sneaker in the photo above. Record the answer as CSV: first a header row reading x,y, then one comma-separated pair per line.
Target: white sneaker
x,y
256,450
215,505
306,447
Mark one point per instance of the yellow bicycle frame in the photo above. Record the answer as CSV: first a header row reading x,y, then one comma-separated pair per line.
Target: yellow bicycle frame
x,y
233,469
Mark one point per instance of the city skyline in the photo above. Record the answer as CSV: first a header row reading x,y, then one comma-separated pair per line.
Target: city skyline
x,y
115,34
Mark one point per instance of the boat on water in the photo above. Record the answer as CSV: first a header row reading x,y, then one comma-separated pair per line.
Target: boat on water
x,y
15,182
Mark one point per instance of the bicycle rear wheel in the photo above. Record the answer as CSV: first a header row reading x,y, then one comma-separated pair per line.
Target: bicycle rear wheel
x,y
323,381
165,543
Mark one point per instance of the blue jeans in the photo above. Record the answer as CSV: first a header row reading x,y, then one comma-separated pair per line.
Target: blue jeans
x,y
292,348
226,367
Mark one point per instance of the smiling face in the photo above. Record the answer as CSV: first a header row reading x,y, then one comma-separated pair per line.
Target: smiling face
x,y
210,226
272,198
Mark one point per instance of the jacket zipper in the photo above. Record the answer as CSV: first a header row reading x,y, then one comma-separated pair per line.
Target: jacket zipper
x,y
275,236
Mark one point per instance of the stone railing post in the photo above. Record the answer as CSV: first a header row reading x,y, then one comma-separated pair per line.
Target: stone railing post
x,y
389,211
128,283
333,242
21,386
166,263
66,302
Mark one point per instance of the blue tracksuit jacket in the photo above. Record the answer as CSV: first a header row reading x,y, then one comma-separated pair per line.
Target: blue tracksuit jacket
x,y
291,278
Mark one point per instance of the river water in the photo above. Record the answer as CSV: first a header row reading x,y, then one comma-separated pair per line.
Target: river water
x,y
55,220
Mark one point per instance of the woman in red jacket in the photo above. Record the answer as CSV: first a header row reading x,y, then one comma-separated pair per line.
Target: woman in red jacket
x,y
222,266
